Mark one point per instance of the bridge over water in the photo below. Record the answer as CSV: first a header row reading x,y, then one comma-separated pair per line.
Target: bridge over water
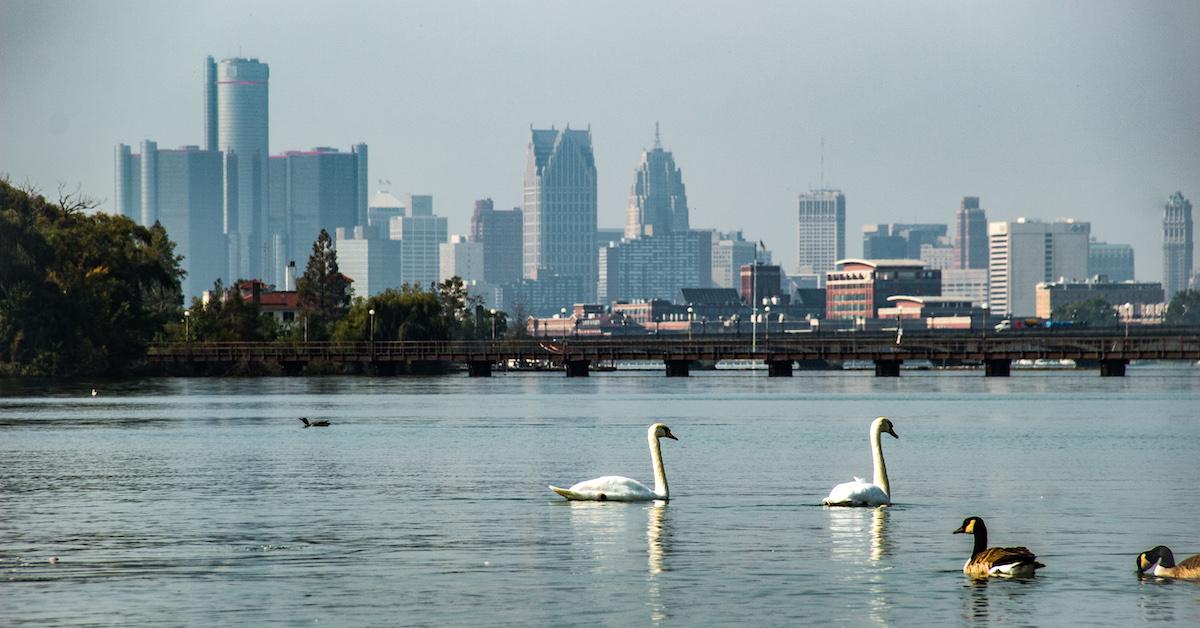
x,y
1112,349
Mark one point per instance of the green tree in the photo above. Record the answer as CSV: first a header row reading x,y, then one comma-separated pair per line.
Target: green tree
x,y
1090,313
1184,308
229,317
458,308
324,291
80,293
405,314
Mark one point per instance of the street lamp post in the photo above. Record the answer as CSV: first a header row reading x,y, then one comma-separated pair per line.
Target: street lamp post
x,y
691,317
187,328
371,313
493,324
767,324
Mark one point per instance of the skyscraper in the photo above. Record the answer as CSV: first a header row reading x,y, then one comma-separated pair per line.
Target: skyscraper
x,y
560,208
323,188
421,234
181,189
821,231
500,233
242,134
971,235
658,199
655,267
1177,244
1114,261
731,251
1024,253
210,104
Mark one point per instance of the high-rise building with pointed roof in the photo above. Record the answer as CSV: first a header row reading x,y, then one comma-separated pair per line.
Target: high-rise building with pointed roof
x,y
658,199
560,208
1177,244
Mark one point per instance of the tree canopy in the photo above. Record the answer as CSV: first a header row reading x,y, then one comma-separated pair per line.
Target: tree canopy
x,y
80,293
1090,313
1184,308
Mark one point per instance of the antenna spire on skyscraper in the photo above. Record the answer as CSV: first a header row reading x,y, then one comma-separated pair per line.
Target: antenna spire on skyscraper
x,y
657,140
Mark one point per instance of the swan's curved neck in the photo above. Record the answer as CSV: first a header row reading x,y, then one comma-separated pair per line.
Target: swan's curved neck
x,y
660,474
881,478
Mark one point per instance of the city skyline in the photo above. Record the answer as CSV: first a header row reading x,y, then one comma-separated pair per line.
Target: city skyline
x,y
1056,121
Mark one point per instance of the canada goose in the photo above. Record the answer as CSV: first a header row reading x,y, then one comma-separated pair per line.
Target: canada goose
x,y
995,561
858,492
1161,562
621,489
321,423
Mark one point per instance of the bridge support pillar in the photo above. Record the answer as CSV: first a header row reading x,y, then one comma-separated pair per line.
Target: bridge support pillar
x,y
576,368
779,368
997,368
1113,368
888,368
479,368
677,368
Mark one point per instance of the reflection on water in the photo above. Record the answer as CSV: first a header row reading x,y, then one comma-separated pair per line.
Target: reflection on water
x,y
655,553
859,536
859,533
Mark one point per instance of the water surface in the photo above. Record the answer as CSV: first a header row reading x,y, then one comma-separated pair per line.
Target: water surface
x,y
202,501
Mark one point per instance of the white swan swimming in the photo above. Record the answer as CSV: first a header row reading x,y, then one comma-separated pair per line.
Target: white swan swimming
x,y
858,492
621,489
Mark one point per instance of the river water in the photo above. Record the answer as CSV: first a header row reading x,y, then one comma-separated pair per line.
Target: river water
x,y
203,501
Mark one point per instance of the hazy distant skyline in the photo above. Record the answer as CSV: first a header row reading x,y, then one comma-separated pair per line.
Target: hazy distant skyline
x,y
1088,110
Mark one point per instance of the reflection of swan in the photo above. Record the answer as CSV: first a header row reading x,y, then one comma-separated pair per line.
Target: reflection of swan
x,y
995,561
621,489
654,559
879,544
654,532
852,529
1161,562
858,492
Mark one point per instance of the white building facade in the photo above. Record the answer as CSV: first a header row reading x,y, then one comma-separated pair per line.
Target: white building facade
x,y
1024,253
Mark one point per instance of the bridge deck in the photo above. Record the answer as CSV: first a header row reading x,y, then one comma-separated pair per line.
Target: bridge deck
x,y
941,346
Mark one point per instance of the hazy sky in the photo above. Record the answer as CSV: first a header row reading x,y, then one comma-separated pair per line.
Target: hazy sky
x,y
1044,109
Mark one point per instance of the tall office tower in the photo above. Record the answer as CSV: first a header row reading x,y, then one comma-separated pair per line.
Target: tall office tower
x,y
658,199
382,208
242,134
971,235
499,231
917,235
880,243
368,258
210,104
1114,261
420,205
128,184
182,190
655,267
560,209
1024,253
461,258
323,188
1177,244
421,235
730,251
821,232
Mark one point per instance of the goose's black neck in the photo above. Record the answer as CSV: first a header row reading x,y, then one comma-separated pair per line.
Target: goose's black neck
x,y
980,533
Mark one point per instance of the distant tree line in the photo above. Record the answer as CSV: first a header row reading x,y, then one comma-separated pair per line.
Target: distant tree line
x,y
80,293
